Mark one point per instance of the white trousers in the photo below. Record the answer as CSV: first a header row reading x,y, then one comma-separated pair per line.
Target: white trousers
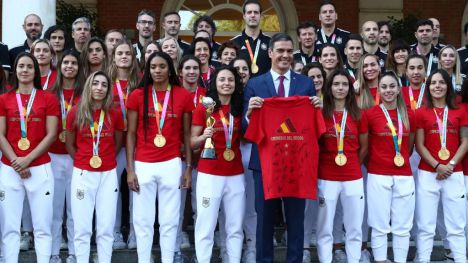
x,y
213,190
161,180
39,189
90,191
414,163
61,164
351,196
452,192
390,199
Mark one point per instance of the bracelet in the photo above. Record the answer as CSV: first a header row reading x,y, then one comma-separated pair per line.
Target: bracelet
x,y
188,166
437,166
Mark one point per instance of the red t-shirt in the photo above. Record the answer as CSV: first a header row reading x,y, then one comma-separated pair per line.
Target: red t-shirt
x,y
381,147
200,92
425,119
373,91
58,147
328,169
52,78
116,103
220,166
406,96
84,140
465,159
45,104
179,103
287,131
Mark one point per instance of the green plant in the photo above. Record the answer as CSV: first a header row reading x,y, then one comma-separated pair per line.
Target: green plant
x,y
67,13
404,28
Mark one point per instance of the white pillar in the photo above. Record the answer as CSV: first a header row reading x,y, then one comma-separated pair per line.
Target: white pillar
x,y
14,12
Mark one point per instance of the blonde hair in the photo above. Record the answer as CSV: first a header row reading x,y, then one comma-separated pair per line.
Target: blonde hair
x,y
53,61
457,68
366,101
401,105
133,80
179,50
85,110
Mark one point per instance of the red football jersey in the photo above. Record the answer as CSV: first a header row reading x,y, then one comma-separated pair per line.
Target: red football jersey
x,y
406,96
381,147
426,119
328,169
58,147
179,103
84,140
52,78
45,104
200,92
287,131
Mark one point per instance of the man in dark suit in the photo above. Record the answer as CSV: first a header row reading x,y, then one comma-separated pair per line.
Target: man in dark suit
x,y
280,80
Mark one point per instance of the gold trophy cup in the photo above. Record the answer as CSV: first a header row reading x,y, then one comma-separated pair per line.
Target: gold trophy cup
x,y
208,151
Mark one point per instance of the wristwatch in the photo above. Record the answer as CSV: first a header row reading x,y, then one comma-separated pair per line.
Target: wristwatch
x,y
452,162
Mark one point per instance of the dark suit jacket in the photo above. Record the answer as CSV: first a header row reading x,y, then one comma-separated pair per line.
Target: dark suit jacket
x,y
263,86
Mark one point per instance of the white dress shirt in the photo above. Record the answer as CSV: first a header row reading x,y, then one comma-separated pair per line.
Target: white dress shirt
x,y
286,81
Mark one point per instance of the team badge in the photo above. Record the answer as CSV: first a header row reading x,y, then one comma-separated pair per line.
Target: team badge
x,y
339,40
80,194
2,195
206,202
264,46
321,202
382,63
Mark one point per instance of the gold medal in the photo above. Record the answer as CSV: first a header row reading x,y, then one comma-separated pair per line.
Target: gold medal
x,y
444,154
24,144
398,160
159,140
62,136
341,159
229,155
254,68
95,161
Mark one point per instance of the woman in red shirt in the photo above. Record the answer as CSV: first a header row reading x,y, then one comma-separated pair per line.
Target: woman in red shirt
x,y
123,71
442,141
44,53
94,57
201,48
159,116
342,149
67,89
220,180
413,93
94,135
366,83
28,126
390,185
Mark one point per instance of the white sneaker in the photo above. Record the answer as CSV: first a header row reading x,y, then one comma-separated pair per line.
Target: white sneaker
x,y
55,259
63,244
313,239
131,241
71,259
339,256
306,257
366,256
25,241
118,241
249,256
185,240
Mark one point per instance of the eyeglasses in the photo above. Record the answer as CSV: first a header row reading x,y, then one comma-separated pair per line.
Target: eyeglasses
x,y
145,22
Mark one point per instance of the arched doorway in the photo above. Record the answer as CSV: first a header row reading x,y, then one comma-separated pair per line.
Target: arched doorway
x,y
278,16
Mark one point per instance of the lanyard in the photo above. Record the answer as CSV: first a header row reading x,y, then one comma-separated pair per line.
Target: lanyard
x,y
195,97
429,63
413,103
324,37
442,126
253,57
65,108
340,129
397,138
46,84
228,131
24,113
123,100
160,121
351,73
92,127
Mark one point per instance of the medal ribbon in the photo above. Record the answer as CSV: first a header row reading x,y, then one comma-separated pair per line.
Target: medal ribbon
x,y
351,73
65,108
324,37
92,127
195,98
442,127
228,131
24,113
253,57
413,103
46,84
429,63
397,138
160,121
123,100
340,129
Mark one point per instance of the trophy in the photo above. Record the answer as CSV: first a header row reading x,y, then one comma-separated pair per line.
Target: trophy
x,y
208,151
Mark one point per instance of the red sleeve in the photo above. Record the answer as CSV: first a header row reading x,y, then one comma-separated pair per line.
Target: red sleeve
x,y
419,118
2,106
254,132
188,103
463,118
53,108
198,116
71,119
118,119
363,124
412,121
133,100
